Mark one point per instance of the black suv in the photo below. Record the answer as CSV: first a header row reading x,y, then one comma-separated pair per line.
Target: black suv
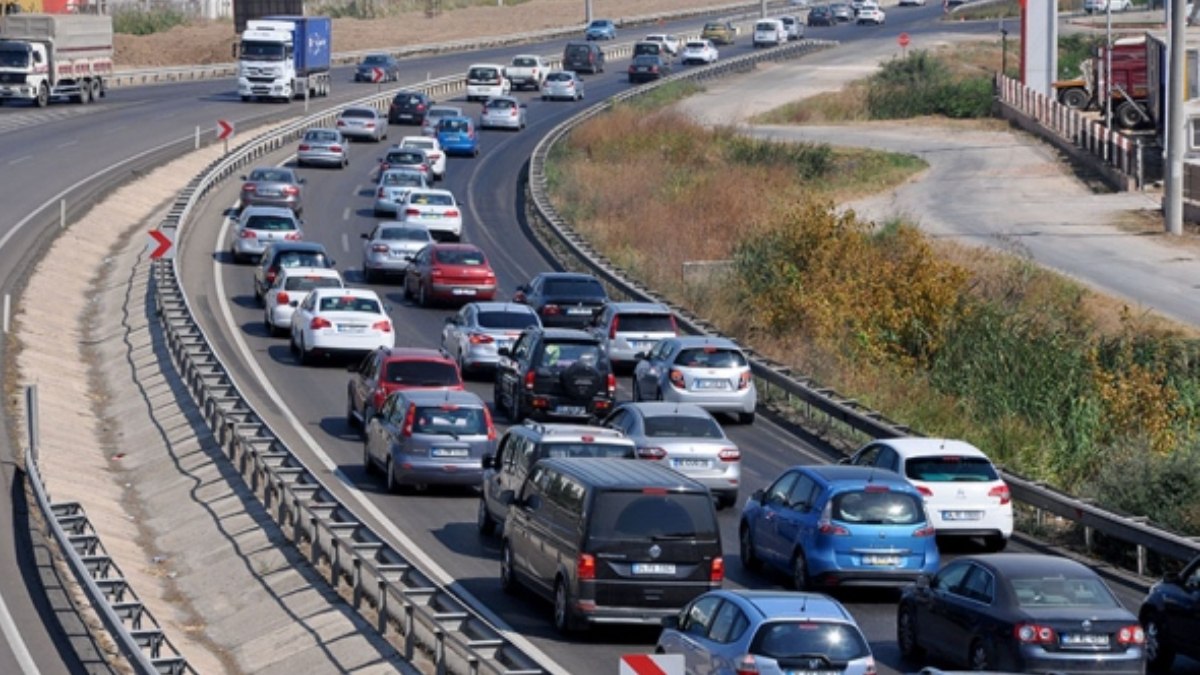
x,y
554,374
583,57
409,107
610,540
287,254
563,299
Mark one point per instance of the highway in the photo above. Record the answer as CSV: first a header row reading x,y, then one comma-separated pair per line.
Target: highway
x,y
45,152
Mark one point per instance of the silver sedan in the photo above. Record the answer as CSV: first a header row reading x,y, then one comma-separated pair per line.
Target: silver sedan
x,y
473,335
273,186
686,438
393,188
562,84
365,124
713,373
502,112
323,146
387,248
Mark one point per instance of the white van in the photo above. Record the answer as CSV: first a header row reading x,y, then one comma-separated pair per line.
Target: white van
x,y
769,33
485,80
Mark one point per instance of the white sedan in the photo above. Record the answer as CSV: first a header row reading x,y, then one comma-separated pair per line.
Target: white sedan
x,y
433,150
436,210
340,321
668,41
871,13
291,286
699,51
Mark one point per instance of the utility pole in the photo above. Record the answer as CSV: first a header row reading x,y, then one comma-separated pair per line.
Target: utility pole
x,y
1108,42
587,12
762,12
1176,126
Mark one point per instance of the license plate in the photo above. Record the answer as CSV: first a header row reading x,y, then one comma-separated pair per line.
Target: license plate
x,y
711,384
463,291
455,137
653,568
578,310
448,452
1085,639
962,515
269,193
692,464
343,328
881,560
813,672
570,410
504,344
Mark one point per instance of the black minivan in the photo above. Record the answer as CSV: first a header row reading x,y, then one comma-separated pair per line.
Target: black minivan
x,y
610,541
583,57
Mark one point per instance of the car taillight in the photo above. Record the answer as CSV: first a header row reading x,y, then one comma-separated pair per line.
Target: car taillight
x,y
1131,635
369,125
744,380
529,379
480,339
716,571
827,527
384,326
729,454
292,236
319,322
651,453
585,566
612,331
271,276
452,213
654,69
491,427
926,531
282,298
611,384
420,107
341,123
925,491
746,665
335,148
676,378
1002,493
248,187
248,234
409,417
633,69
291,190
436,272
380,194
512,112
870,668
551,309
380,248
305,147
435,156
1034,634
674,326
412,212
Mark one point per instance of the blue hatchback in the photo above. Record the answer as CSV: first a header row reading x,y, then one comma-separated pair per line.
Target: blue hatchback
x,y
601,29
838,525
457,136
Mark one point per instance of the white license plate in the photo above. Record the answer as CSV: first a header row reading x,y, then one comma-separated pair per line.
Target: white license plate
x,y
343,328
692,464
813,672
962,515
578,310
653,568
711,384
448,452
504,344
1085,639
570,410
463,291
881,560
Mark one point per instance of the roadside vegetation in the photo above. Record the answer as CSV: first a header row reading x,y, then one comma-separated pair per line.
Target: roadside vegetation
x,y
1053,381
134,20
1008,9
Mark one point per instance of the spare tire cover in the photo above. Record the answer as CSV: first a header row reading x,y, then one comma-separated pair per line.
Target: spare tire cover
x,y
581,380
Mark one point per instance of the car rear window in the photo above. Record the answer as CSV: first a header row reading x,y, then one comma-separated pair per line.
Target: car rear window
x,y
712,26
878,507
567,353
428,199
647,515
483,74
578,50
507,319
450,420
270,223
587,288
271,176
558,77
950,469
349,304
795,639
680,426
645,323
764,25
358,112
696,45
404,234
453,125
603,450
302,259
459,256
410,157
403,179
309,283
423,144
1062,592
321,136
524,62
710,357
501,104
422,373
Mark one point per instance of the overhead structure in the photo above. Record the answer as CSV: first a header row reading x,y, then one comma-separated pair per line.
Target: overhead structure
x,y
1039,45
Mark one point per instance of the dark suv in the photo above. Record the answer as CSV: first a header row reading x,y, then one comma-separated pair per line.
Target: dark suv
x,y
583,57
610,541
563,299
554,374
287,254
409,107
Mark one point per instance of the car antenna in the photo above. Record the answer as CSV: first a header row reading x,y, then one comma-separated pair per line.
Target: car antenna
x,y
804,604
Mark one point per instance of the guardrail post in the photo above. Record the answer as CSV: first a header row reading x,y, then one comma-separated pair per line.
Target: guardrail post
x,y
439,650
381,618
1141,560
1139,166
410,638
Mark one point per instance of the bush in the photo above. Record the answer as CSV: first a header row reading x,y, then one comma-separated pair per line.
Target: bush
x,y
136,21
1166,488
921,84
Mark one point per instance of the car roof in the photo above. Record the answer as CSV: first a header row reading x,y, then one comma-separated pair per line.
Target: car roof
x,y
916,446
843,475
566,275
310,272
257,210
689,341
1031,563
792,604
661,408
565,334
558,429
514,307
639,308
624,474
306,246
440,396
352,292
415,354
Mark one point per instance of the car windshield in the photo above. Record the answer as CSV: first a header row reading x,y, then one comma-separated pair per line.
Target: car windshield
x,y
272,176
586,288
573,449
682,426
645,323
270,223
877,507
289,259
262,51
950,469
710,357
1062,592
404,234
837,642
507,319
349,303
567,353
402,179
650,514
422,373
14,58
450,420
431,199
321,135
362,113
309,283
460,256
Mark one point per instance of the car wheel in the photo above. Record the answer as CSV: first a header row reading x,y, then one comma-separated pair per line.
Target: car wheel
x,y
906,635
368,465
750,561
408,295
1076,99
1159,655
483,519
423,296
514,412
368,275
637,390
979,657
726,500
393,485
746,417
545,98
508,579
994,543
564,617
303,354
352,419
800,580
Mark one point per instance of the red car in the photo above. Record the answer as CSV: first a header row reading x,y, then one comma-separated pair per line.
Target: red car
x,y
449,272
387,370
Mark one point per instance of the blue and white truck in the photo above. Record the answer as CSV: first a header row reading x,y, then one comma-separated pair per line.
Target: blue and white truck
x,y
285,57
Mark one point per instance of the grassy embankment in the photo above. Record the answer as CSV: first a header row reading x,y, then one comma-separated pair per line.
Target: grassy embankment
x,y
1052,380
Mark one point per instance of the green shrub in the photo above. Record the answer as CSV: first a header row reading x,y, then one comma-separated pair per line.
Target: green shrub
x,y
1166,488
136,21
921,84
807,160
1072,50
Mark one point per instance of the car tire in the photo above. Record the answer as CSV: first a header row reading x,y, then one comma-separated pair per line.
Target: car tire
x,y
545,98
352,420
369,276
746,418
979,656
304,357
514,412
800,578
368,465
637,390
1128,116
508,578
1159,654
483,519
423,298
726,500
564,617
393,486
994,543
750,561
408,295
1075,99
906,636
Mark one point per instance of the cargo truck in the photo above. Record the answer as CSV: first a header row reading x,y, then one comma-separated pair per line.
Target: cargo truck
x,y
284,57
245,11
47,56
1129,90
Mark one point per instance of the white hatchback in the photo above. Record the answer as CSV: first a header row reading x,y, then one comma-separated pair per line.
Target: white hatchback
x,y
340,321
289,289
437,210
964,493
769,33
699,51
433,150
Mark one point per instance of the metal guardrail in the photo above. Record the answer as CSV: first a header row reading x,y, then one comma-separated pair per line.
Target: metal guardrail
x,y
138,636
844,415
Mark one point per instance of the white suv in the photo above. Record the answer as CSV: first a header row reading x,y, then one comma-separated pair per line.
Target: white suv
x,y
964,494
769,33
485,80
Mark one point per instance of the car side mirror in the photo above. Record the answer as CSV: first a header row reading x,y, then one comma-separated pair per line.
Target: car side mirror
x,y
507,497
451,320
504,351
243,177
670,622
845,460
302,181
1171,577
295,303
365,235
640,356
352,368
922,582
410,258
757,495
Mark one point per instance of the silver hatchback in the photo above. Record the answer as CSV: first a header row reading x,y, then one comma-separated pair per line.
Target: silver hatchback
x,y
273,186
427,437
386,248
474,335
686,438
258,226
325,147
365,124
393,188
631,328
563,84
502,112
711,372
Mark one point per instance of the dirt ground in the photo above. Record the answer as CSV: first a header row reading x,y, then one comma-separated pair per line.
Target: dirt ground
x,y
211,42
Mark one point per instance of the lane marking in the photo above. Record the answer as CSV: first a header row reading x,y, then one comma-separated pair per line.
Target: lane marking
x,y
345,242
16,645
19,160
346,213
67,144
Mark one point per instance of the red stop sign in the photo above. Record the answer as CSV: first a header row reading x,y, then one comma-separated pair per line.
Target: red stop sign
x,y
903,39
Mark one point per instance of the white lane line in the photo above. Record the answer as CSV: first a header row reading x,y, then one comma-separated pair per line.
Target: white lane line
x,y
345,242
19,160
67,144
15,644
427,563
346,213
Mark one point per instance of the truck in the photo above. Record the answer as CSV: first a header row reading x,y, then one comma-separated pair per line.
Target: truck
x,y
284,57
245,10
527,70
1129,91
49,56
